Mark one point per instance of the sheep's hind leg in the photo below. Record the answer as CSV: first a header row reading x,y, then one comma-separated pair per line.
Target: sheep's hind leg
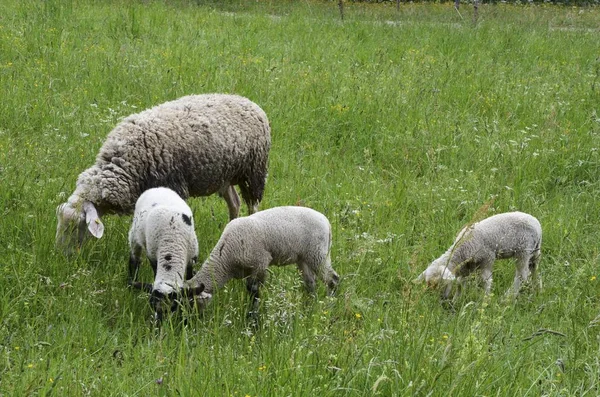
x,y
249,199
233,201
533,269
329,276
522,273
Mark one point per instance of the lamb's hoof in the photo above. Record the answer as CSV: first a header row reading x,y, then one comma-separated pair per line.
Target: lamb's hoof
x,y
253,318
448,304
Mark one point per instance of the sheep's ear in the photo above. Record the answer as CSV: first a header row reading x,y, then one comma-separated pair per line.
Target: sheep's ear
x,y
190,292
94,224
195,291
198,290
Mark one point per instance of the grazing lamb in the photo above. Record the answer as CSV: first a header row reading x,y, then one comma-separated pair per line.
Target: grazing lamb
x,y
509,235
163,228
277,236
196,145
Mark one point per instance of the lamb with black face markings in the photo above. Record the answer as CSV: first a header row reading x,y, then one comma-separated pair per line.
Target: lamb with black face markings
x,y
163,228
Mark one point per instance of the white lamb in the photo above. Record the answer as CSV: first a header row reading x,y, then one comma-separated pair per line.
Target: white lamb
x,y
196,145
477,246
163,228
277,236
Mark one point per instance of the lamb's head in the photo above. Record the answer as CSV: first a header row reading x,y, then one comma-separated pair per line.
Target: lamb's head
x,y
163,303
437,273
75,218
199,297
168,302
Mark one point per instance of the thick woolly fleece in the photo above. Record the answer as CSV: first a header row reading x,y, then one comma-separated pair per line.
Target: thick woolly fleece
x,y
476,247
163,228
196,145
277,236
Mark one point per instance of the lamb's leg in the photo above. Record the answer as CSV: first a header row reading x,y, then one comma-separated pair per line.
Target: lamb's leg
x,y
233,201
308,275
253,287
189,272
134,263
253,284
522,272
486,278
154,264
447,290
533,265
329,276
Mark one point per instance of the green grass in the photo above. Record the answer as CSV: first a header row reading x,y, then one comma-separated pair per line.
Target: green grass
x,y
398,125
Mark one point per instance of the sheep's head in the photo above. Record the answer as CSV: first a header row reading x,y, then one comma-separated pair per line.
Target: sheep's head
x,y
75,218
437,273
163,303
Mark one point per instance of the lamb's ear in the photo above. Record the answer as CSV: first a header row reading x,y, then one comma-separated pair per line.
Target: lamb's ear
x,y
94,224
190,292
196,290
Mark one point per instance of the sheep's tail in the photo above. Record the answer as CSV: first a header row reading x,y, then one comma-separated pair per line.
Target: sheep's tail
x,y
252,186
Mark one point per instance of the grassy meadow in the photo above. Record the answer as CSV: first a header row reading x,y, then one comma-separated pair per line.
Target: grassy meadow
x,y
400,125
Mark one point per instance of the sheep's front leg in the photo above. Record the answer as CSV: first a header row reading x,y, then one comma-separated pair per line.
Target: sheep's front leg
x,y
253,284
134,264
309,277
329,276
189,272
447,290
253,287
154,265
486,279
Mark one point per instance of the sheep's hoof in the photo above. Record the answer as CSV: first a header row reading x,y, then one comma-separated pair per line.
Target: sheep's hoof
x,y
253,318
448,304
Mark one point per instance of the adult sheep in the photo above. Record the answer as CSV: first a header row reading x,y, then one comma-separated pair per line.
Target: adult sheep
x,y
196,145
